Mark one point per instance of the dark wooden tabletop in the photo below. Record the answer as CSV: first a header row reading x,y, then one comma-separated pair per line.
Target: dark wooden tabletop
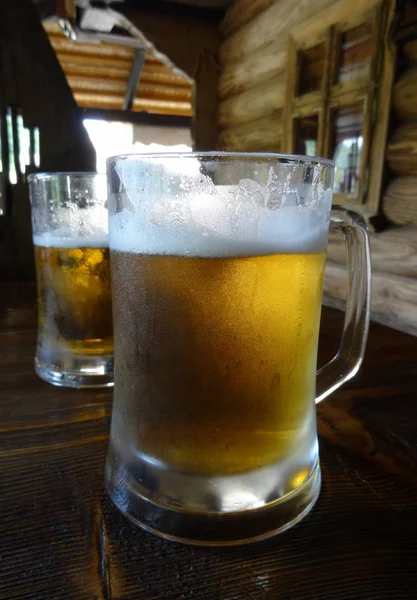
x,y
60,536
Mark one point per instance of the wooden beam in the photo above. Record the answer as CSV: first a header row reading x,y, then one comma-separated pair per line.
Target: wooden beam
x,y
400,201
269,61
392,251
240,13
393,302
260,135
256,103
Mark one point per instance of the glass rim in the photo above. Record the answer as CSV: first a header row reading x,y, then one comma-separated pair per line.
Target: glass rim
x,y
48,175
250,157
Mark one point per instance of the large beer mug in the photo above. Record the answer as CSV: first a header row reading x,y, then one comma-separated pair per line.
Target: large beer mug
x,y
217,269
70,235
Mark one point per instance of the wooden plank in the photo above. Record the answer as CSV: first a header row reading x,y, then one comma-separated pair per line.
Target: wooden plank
x,y
252,70
240,13
335,13
386,66
152,105
261,135
151,73
146,89
112,51
400,201
270,25
405,94
259,102
401,152
393,302
63,539
392,251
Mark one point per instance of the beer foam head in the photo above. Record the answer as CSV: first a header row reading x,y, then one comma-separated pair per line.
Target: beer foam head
x,y
62,238
219,225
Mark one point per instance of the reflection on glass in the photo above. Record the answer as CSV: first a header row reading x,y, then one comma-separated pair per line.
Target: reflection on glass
x,y
306,134
311,69
348,143
10,140
356,47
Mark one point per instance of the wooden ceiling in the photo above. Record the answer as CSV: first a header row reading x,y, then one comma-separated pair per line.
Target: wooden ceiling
x,y
98,74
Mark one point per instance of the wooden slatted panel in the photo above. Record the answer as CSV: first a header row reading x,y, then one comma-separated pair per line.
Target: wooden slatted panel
x,y
98,75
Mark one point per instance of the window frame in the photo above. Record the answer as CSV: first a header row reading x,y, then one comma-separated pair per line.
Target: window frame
x,y
373,90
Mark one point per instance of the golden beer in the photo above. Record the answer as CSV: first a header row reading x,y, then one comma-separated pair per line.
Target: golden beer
x,y
216,360
74,294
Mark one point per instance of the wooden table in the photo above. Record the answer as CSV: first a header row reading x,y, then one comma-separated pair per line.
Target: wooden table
x,y
60,536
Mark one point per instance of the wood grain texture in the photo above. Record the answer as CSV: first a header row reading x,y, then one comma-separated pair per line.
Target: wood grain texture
x,y
392,251
254,69
393,302
260,135
401,152
268,26
259,102
404,95
240,13
400,201
62,538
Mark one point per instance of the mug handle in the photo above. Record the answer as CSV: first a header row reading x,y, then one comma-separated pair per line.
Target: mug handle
x,y
349,357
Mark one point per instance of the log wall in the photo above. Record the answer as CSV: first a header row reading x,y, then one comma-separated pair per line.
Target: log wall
x,y
253,57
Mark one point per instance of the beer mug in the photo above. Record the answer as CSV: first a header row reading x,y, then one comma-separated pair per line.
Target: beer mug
x,y
217,264
70,235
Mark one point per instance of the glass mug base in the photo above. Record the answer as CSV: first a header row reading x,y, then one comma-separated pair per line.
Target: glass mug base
x,y
77,372
221,527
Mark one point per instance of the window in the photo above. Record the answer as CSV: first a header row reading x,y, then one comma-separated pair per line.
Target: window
x,y
339,76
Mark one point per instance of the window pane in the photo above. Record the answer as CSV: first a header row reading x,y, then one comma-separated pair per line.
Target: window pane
x,y
311,69
348,142
306,134
355,53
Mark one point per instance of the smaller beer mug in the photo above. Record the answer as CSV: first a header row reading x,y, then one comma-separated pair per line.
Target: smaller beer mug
x,y
70,235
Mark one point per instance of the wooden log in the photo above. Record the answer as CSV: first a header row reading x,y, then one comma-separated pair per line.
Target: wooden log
x,y
410,51
261,135
269,25
74,65
145,90
63,44
392,251
405,95
151,105
402,150
256,103
241,13
268,62
89,62
393,302
400,201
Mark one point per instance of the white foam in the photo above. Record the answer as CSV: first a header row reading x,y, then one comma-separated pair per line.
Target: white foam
x,y
208,228
61,238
